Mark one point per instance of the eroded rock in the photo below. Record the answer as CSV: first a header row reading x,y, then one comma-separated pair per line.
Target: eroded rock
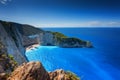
x,y
30,71
62,75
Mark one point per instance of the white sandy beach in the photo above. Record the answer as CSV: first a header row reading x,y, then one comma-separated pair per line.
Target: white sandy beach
x,y
32,47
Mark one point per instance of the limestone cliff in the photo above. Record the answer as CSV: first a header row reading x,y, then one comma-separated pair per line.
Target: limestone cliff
x,y
74,43
16,37
47,39
58,39
12,40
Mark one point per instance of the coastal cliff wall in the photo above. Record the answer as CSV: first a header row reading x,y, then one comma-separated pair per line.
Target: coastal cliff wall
x,y
17,37
12,40
47,39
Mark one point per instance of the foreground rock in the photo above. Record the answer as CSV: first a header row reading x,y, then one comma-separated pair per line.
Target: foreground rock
x,y
62,75
30,71
35,71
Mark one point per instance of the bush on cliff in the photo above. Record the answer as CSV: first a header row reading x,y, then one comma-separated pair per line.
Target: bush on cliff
x,y
7,62
72,76
59,35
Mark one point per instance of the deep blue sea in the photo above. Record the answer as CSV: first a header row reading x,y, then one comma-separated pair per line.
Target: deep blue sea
x,y
99,63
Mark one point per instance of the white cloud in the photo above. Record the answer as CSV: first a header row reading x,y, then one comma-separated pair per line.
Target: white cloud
x,y
83,24
5,1
93,23
114,24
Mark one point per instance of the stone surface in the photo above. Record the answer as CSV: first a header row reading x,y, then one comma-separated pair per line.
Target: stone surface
x,y
74,43
12,36
62,75
58,75
30,71
16,38
35,71
12,40
3,76
47,39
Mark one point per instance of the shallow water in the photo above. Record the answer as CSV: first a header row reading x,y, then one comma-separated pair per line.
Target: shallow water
x,y
99,63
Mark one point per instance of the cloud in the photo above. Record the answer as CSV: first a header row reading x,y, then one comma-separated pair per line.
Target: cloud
x,y
114,24
5,1
83,24
91,23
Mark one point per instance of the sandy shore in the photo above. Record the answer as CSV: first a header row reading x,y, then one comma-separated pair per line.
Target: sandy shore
x,y
32,47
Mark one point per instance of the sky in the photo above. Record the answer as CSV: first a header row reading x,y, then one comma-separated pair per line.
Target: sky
x,y
62,13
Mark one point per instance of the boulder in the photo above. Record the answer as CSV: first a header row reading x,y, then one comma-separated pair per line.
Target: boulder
x,y
29,71
62,75
57,75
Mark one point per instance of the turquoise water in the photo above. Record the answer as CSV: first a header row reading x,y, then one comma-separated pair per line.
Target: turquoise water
x,y
99,63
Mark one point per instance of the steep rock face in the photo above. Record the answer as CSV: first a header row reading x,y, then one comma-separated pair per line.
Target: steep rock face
x,y
16,37
59,39
30,40
12,39
30,71
74,43
47,39
20,34
28,30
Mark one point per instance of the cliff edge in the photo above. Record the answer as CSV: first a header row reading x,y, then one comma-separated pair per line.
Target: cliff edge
x,y
17,37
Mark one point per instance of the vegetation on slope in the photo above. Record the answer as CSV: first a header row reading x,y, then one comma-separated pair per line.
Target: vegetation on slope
x,y
59,36
72,41
62,39
7,63
72,76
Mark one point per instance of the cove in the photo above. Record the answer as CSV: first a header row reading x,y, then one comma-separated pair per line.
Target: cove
x,y
98,63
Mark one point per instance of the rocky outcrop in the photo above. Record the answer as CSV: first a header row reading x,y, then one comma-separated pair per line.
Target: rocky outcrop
x,y
62,75
74,43
58,75
35,71
47,39
30,71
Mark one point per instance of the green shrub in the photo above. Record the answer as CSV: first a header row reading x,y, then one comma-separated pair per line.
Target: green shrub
x,y
72,76
59,35
11,57
12,62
